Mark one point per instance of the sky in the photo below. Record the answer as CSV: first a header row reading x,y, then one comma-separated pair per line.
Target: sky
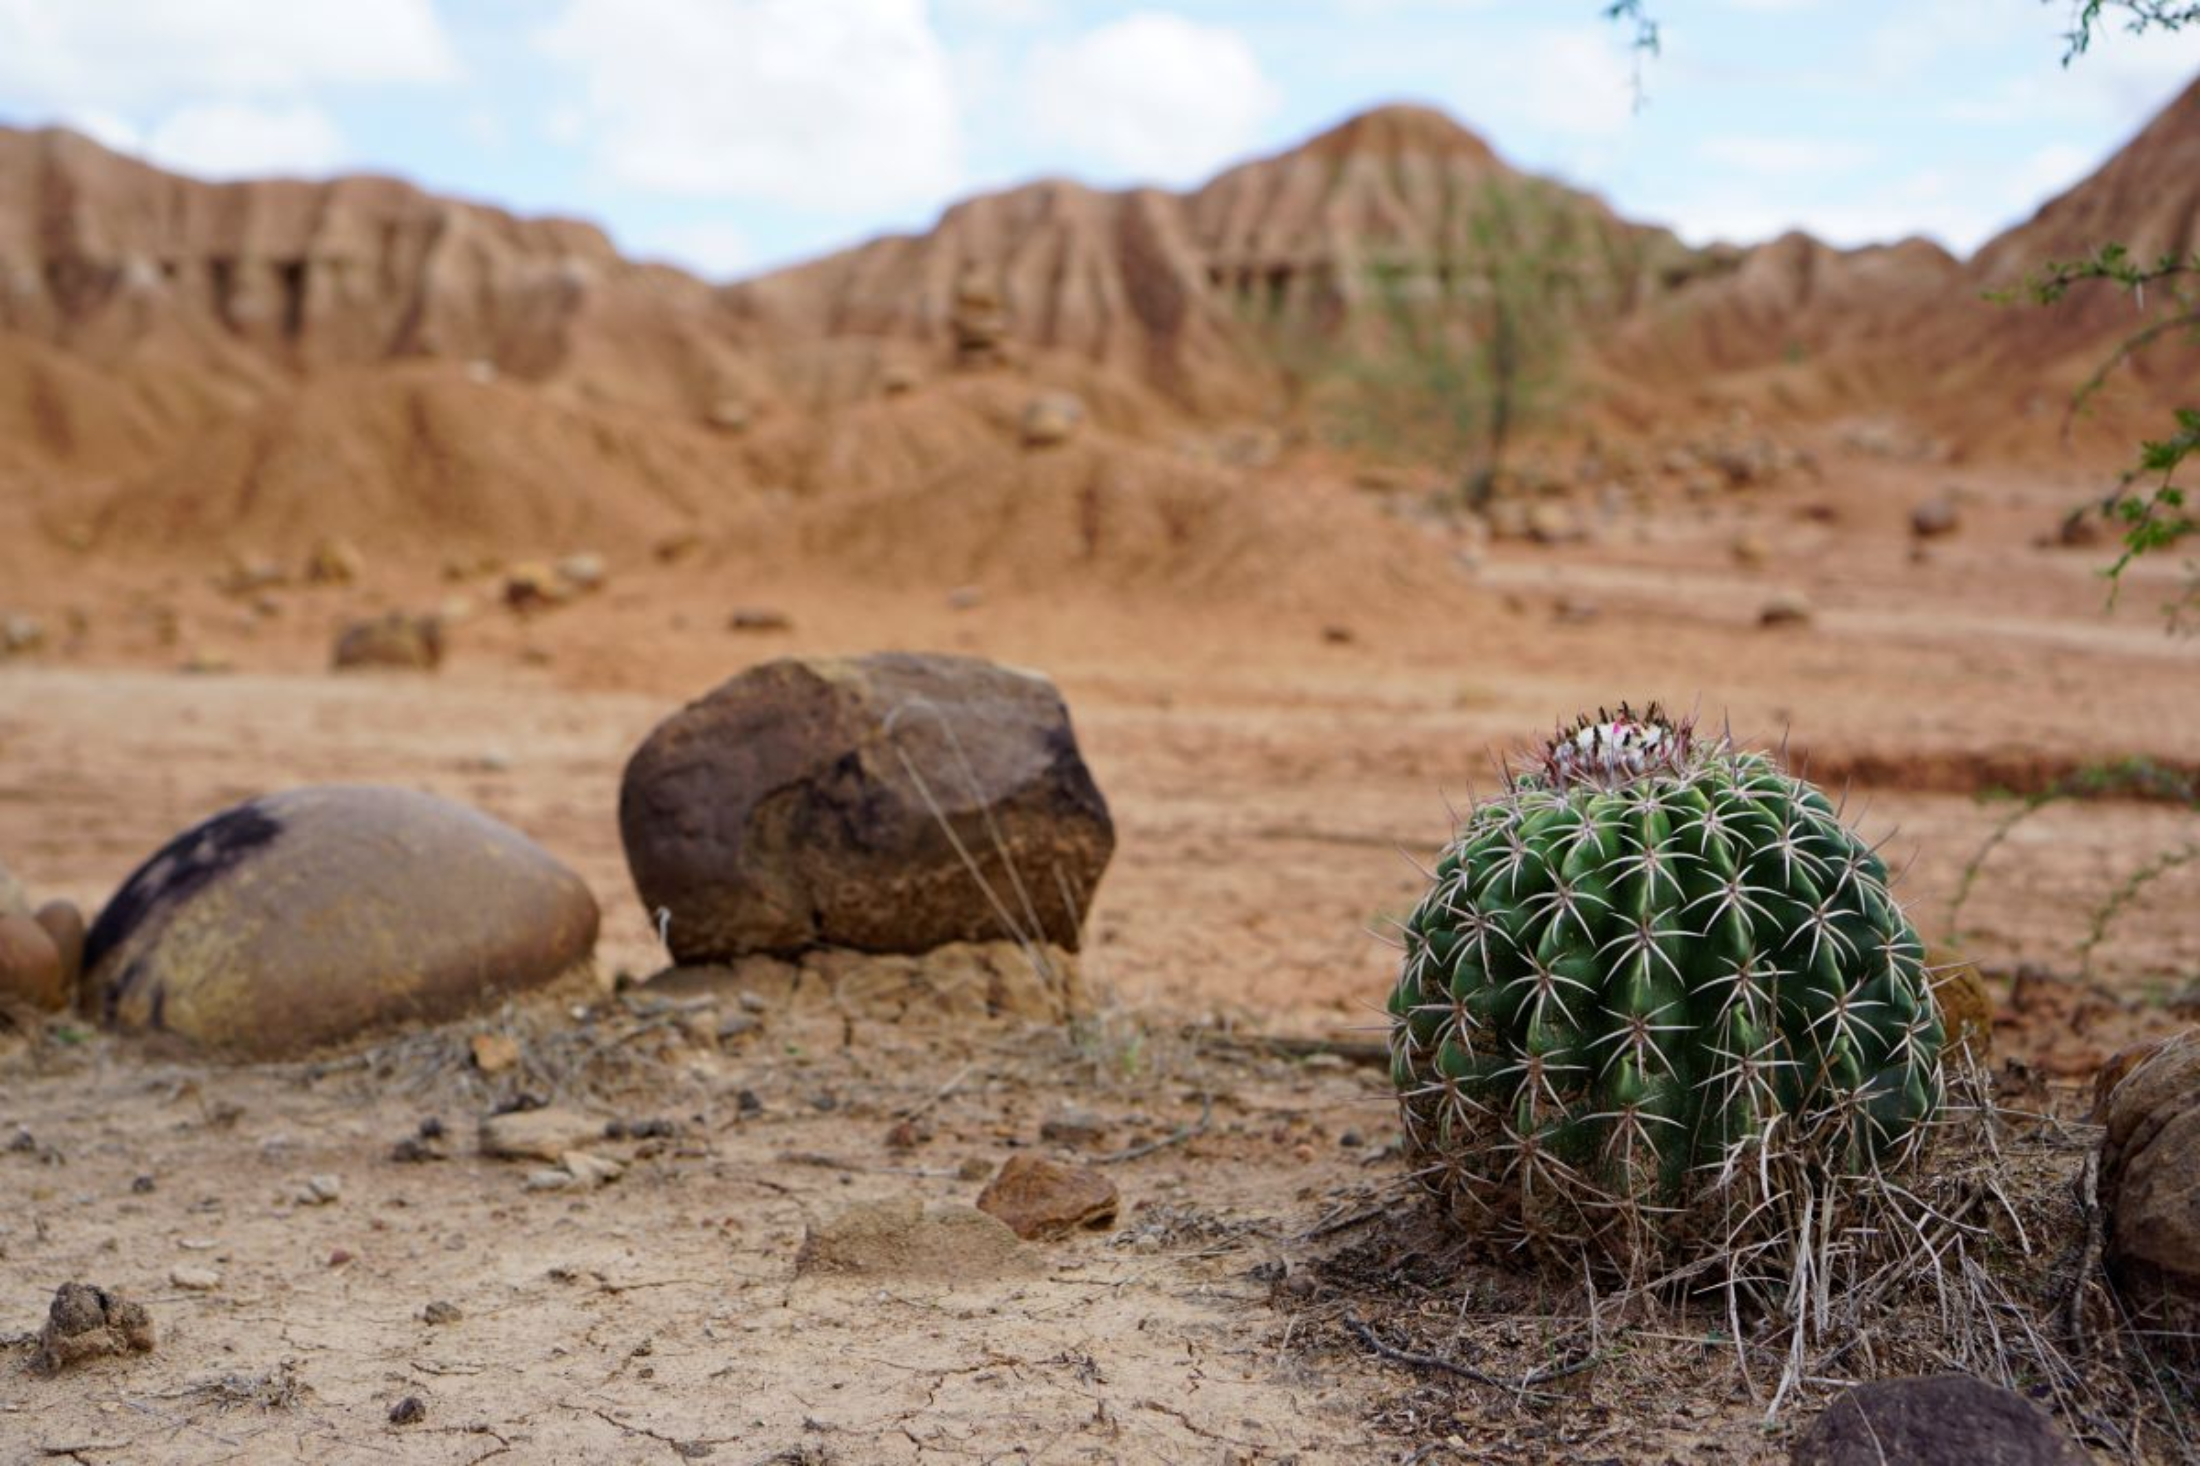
x,y
729,136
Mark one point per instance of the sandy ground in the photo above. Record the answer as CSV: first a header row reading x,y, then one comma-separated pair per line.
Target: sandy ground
x,y
1275,772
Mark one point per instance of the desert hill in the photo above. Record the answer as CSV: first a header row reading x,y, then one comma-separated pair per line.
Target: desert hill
x,y
218,367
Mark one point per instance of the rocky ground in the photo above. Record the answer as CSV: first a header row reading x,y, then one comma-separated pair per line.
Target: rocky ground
x,y
1274,774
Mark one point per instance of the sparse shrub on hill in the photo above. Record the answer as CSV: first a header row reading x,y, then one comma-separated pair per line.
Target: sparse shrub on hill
x,y
1450,359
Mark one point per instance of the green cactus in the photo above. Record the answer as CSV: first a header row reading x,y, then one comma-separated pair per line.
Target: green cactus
x,y
1649,980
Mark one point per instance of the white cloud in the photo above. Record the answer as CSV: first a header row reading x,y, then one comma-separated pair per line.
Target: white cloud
x,y
77,55
827,104
1152,95
1961,209
1786,156
238,140
109,129
712,248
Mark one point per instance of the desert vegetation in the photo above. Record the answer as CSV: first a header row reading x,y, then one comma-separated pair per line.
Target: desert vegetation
x,y
1365,811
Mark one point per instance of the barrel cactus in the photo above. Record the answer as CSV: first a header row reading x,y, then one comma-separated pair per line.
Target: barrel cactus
x,y
1656,996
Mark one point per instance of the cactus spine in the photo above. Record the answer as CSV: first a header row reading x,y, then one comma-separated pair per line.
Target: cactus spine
x,y
1656,992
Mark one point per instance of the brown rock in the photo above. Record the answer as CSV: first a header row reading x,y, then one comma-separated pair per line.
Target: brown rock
x,y
534,586
2150,1191
1552,523
759,619
391,640
334,562
820,802
21,634
1789,608
1040,1198
905,1238
65,925
1936,1420
313,915
249,575
31,971
978,321
1966,1010
548,1134
1051,418
1934,518
493,1053
85,1322
2113,1071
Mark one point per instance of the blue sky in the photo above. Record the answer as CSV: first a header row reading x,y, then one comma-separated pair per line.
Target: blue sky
x,y
731,135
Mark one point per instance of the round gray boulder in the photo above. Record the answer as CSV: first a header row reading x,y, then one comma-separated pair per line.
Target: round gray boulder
x,y
311,916
827,802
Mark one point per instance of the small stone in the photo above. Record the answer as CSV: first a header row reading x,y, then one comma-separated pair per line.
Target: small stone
x,y
591,1171
321,1190
1750,549
438,1313
1553,523
1936,1420
194,1279
748,1103
557,1180
1040,1198
674,548
1051,418
394,640
334,562
731,415
1336,634
583,573
1575,610
543,1135
974,1168
737,1026
142,1186
86,1322
409,1411
1074,1128
534,586
758,620
494,1052
20,633
339,1257
1934,518
1788,608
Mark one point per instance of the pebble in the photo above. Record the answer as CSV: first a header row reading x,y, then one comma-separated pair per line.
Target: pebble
x,y
194,1279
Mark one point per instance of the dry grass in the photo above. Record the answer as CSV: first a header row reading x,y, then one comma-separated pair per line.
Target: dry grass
x,y
1985,1260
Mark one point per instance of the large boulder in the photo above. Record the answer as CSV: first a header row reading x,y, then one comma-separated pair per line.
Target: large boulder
x,y
33,973
1935,1420
822,802
2150,1191
310,916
